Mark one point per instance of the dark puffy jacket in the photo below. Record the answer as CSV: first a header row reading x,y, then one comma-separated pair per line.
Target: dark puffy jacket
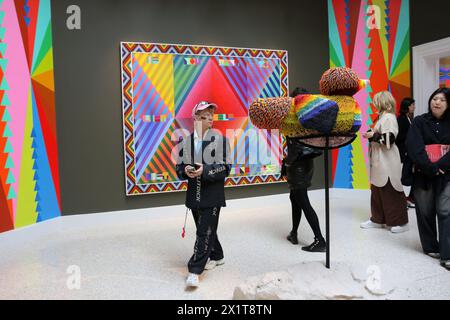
x,y
207,191
299,167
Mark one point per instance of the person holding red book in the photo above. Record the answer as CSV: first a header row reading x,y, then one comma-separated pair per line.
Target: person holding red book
x,y
427,143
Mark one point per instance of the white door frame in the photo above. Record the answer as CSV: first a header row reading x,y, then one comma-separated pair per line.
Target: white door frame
x,y
426,70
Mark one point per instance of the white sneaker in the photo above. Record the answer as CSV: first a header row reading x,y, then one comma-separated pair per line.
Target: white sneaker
x,y
445,264
371,225
434,255
410,205
214,263
400,229
192,280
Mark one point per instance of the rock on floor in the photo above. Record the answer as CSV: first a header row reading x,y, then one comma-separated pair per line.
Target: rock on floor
x,y
312,281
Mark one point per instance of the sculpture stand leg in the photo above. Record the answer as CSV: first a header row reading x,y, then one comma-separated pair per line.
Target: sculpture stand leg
x,y
327,201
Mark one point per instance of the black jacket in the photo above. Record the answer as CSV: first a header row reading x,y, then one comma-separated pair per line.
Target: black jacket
x,y
403,129
298,166
207,191
427,130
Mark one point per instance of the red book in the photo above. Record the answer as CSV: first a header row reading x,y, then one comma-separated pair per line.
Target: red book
x,y
436,151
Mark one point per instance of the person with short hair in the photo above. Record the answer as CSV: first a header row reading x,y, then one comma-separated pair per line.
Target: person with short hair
x,y
204,163
388,201
428,145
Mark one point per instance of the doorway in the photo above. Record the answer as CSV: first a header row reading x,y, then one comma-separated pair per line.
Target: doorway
x,y
428,59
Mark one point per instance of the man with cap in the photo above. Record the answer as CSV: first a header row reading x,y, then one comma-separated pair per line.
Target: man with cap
x,y
204,163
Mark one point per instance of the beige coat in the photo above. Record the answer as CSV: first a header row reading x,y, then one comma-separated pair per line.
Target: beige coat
x,y
385,159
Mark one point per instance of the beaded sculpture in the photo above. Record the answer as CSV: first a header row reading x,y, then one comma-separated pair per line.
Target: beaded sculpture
x,y
334,113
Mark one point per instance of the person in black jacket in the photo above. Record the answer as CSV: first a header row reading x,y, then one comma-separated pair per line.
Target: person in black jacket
x,y
428,146
298,167
204,164
404,120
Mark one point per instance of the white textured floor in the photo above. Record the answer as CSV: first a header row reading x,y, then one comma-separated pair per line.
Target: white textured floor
x,y
140,254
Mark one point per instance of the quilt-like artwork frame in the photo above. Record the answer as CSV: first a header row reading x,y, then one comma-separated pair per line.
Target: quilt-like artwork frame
x,y
160,85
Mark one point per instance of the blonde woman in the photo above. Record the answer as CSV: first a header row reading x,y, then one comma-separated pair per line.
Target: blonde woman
x,y
388,201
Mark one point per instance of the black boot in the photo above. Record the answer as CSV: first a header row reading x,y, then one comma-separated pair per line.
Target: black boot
x,y
292,238
319,245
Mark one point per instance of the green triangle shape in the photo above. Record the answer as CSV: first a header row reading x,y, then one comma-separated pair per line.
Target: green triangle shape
x,y
8,147
368,63
334,56
11,194
7,132
6,116
3,64
4,85
9,163
10,178
6,101
3,48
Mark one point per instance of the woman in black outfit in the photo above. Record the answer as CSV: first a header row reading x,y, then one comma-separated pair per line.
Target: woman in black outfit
x,y
428,148
404,120
298,167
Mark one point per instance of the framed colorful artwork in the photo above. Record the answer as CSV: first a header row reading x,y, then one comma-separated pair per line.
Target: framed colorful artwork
x,y
160,86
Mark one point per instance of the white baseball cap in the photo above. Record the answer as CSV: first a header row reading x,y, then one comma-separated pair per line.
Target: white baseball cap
x,y
202,106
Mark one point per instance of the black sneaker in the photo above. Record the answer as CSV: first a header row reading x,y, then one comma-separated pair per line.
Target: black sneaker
x,y
319,245
292,238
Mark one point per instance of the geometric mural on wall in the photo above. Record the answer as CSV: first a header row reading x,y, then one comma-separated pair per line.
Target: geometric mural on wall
x,y
161,84
371,37
29,177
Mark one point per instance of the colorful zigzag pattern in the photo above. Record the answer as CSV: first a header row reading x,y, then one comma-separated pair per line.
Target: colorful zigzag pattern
x,y
372,38
29,178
